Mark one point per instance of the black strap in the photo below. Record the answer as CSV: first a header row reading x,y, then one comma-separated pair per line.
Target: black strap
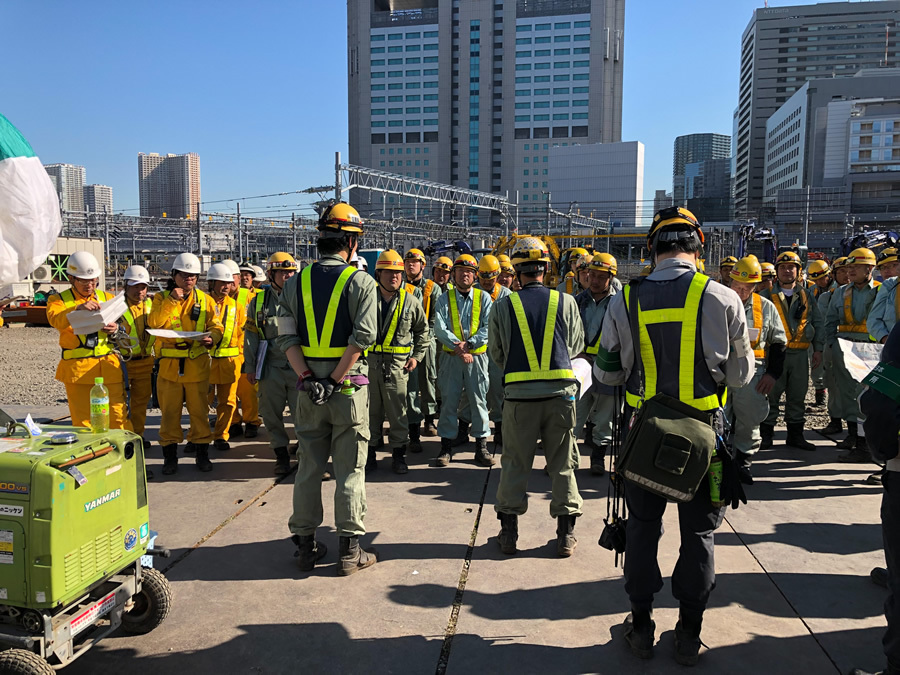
x,y
632,309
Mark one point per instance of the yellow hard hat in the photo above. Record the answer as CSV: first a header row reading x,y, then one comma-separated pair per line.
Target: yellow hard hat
x,y
414,254
647,270
674,217
505,263
529,250
488,267
790,258
861,256
840,262
584,261
577,251
466,261
389,260
281,261
747,270
730,261
701,266
340,217
887,256
443,263
604,262
768,270
818,269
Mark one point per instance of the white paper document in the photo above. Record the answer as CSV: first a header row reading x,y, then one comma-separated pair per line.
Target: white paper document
x,y
85,323
177,334
582,370
753,333
261,357
860,357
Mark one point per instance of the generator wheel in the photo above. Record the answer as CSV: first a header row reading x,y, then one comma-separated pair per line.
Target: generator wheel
x,y
23,662
151,605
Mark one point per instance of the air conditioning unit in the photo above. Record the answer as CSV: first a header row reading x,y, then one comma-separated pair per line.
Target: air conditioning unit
x,y
42,273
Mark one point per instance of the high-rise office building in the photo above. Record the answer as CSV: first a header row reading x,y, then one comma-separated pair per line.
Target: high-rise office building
x,y
476,93
69,182
784,47
169,185
98,198
695,148
661,200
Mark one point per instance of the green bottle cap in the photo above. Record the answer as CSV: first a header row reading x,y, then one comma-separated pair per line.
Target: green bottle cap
x,y
98,380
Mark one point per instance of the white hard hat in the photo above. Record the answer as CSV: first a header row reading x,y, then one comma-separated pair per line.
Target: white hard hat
x,y
246,267
187,263
137,274
260,274
231,265
83,265
219,272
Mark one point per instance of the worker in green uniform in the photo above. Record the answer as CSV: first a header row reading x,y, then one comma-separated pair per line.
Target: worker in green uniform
x,y
534,334
440,272
327,320
819,273
402,342
835,425
725,268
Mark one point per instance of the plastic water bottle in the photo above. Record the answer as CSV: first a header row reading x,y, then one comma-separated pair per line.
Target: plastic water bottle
x,y
347,388
715,482
99,407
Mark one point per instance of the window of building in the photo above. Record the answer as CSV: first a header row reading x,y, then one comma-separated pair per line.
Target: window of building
x,y
523,106
431,48
430,59
523,28
430,123
582,24
523,80
582,37
378,123
378,50
542,40
430,97
413,123
579,90
523,66
431,85
542,26
377,62
541,66
523,55
395,62
414,85
561,52
377,38
542,104
430,34
581,64
430,72
579,116
579,76
541,118
541,78
579,103
395,50
562,38
541,52
394,73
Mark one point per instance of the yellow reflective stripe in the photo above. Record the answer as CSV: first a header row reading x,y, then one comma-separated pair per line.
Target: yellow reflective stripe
x,y
223,350
476,311
561,374
758,324
194,350
392,350
537,371
549,330
102,348
525,333
132,328
315,348
455,322
668,315
791,342
570,284
850,324
385,345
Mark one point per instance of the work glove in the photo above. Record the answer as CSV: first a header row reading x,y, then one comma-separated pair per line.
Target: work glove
x,y
731,490
320,389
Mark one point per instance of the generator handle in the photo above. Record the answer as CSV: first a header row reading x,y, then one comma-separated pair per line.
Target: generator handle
x,y
160,551
86,457
19,641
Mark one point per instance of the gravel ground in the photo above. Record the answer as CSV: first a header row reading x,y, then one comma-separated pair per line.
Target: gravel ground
x,y
28,358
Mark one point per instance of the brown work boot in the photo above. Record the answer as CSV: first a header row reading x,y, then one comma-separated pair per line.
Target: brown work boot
x,y
430,428
443,459
640,632
462,437
354,558
859,454
309,551
282,462
565,540
835,426
795,437
482,456
509,532
850,442
687,638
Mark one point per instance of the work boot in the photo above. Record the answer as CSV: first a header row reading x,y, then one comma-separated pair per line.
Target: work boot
x,y
850,442
235,429
190,448
588,431
835,426
743,467
398,461
820,398
598,458
859,454
250,431
565,540
498,435
353,558
876,478
687,638
372,461
768,432
309,551
482,456
295,448
443,459
795,437
639,632
463,436
879,576
430,428
149,473
202,458
509,532
221,444
326,475
415,439
170,459
282,462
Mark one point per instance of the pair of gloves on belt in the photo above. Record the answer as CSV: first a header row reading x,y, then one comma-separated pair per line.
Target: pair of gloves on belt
x,y
319,389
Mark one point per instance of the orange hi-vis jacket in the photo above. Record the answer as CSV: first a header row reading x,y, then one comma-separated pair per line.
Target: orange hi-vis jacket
x,y
227,356
184,361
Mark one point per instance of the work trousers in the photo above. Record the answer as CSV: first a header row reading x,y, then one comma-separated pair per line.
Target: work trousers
x,y
339,429
277,389
598,408
226,404
694,576
248,397
494,397
457,377
524,422
747,409
834,396
421,395
79,396
793,383
140,387
173,396
890,530
848,389
817,374
388,384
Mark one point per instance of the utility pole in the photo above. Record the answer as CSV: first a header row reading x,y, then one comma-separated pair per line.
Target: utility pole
x,y
806,221
338,191
294,234
547,211
199,233
239,234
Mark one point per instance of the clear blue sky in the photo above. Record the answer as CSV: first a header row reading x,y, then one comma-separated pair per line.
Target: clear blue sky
x,y
259,89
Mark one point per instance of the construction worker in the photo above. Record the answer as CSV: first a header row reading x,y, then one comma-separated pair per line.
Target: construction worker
x,y
835,424
422,404
885,310
184,365
246,418
802,322
507,273
461,327
225,367
139,368
579,261
819,274
535,333
403,340
248,272
597,404
695,322
725,268
768,277
846,320
277,382
259,277
888,264
327,320
86,357
748,406
440,272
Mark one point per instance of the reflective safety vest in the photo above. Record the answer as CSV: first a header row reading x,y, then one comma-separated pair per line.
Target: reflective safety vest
x,y
851,325
93,346
570,283
386,344
758,324
793,341
476,319
229,323
337,325
495,291
531,316
677,332
242,297
593,346
147,349
185,350
426,295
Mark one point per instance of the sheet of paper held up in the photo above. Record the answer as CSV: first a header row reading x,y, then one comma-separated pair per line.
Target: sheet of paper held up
x,y
753,333
582,370
85,323
177,334
860,357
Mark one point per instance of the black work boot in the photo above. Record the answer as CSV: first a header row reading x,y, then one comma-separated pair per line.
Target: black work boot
x,y
443,459
876,478
743,467
170,459
236,429
372,461
795,437
353,558
463,436
859,454
835,426
250,431
598,458
509,532
565,540
309,551
149,473
430,428
190,448
398,461
820,398
687,637
768,433
498,435
282,462
850,442
202,458
482,456
221,445
415,439
640,631
879,576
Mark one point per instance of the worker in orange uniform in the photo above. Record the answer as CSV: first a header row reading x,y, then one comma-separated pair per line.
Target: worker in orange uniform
x,y
246,418
85,357
139,368
184,364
